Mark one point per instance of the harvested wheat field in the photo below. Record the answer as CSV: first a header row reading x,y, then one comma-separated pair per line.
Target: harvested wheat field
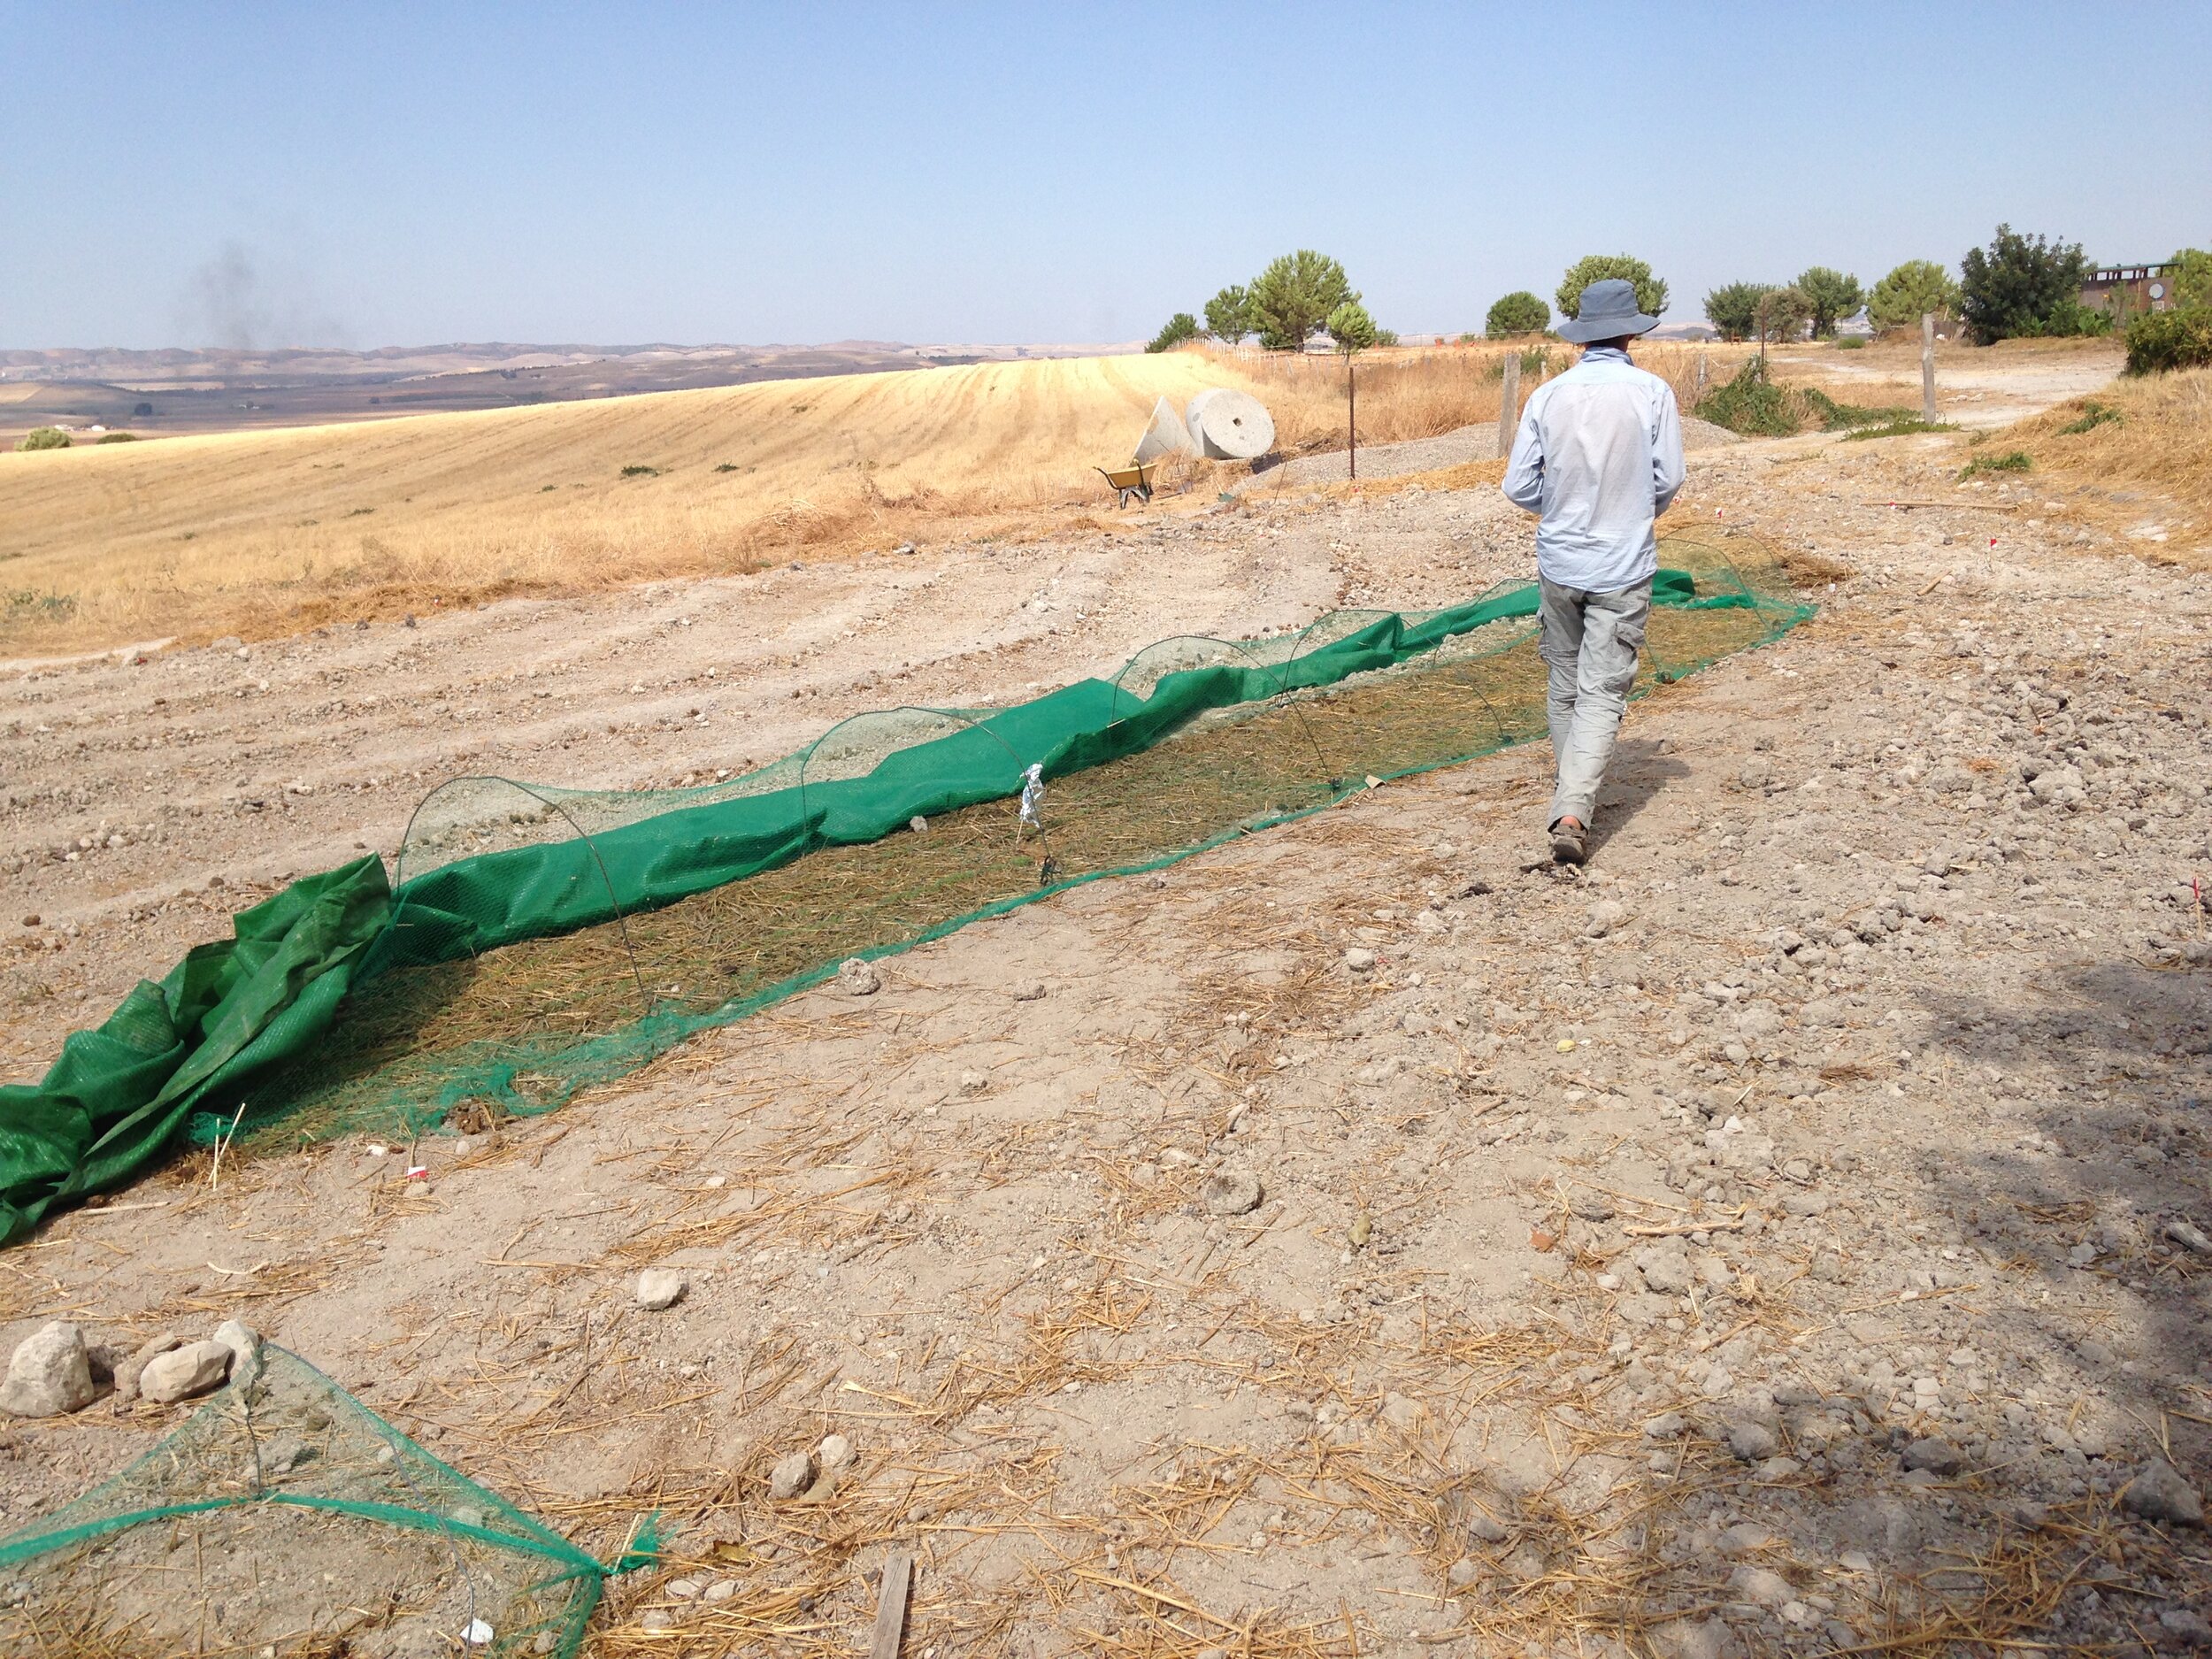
x,y
260,531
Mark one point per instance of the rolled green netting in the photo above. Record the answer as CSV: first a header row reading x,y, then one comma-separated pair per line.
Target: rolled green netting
x,y
542,940
286,1516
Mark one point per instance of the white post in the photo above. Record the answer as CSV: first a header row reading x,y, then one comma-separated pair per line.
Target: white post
x,y
1509,402
1927,367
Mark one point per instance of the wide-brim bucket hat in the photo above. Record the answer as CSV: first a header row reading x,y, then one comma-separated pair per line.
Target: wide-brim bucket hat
x,y
1606,312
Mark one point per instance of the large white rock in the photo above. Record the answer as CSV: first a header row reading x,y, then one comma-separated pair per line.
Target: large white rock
x,y
244,1343
50,1374
196,1369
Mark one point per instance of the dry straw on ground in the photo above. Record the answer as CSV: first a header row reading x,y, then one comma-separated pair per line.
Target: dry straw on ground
x,y
2155,431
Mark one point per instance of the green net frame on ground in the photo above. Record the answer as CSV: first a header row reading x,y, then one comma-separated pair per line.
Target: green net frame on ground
x,y
286,1516
539,940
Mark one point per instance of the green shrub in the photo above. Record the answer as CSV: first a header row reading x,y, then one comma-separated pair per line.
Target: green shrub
x,y
1733,308
641,472
1229,314
119,437
1904,425
2093,414
1351,327
2171,340
1180,330
29,606
1519,312
1651,293
2022,285
1294,296
2191,278
1754,406
1781,313
1852,342
2068,319
1836,416
1828,295
45,438
1913,289
2011,461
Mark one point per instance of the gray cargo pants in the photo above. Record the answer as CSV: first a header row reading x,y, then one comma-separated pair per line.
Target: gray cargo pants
x,y
1589,643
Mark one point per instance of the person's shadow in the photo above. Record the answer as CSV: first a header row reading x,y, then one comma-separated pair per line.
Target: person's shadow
x,y
1637,773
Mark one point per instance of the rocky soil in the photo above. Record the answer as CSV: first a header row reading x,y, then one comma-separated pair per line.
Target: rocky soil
x,y
1781,1238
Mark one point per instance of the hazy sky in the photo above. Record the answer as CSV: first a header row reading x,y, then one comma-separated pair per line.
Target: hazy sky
x,y
369,174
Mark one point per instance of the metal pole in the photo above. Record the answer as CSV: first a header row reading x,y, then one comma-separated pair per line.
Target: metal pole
x,y
1509,402
1927,367
1351,419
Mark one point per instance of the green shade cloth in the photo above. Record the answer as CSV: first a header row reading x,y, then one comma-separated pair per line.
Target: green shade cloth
x,y
234,1013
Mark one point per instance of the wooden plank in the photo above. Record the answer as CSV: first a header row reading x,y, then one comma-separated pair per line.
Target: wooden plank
x,y
898,1570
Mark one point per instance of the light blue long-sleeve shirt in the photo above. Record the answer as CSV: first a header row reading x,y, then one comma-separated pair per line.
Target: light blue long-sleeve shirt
x,y
1598,455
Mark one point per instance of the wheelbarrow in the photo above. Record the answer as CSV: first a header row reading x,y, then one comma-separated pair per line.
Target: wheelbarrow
x,y
1134,481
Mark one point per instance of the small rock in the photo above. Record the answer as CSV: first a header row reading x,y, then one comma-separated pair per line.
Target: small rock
x,y
1605,916
1463,1572
1665,1427
1028,990
834,1453
1232,1190
2158,1493
1762,1586
1937,1457
1802,1204
50,1374
1484,1526
721,1590
2182,1628
1359,959
244,1343
284,1454
858,978
791,1477
184,1373
1752,1440
1743,1539
2189,1236
1666,1269
973,1082
1691,1639
127,1374
684,1589
660,1287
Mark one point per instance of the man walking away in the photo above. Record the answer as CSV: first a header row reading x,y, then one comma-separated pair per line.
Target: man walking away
x,y
1598,455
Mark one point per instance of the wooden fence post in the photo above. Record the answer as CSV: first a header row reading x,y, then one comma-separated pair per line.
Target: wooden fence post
x,y
1927,367
1509,402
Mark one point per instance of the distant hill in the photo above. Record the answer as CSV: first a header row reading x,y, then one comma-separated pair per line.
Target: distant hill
x,y
177,389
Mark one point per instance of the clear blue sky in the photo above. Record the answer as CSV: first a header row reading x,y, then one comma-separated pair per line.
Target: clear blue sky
x,y
371,174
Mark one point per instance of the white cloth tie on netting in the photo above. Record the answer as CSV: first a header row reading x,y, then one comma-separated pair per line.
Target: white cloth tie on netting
x,y
1033,795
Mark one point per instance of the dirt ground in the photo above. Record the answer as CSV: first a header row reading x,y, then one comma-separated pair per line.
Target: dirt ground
x,y
1781,1239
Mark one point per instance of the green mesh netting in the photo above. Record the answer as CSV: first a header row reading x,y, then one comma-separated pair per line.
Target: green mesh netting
x,y
284,1517
539,940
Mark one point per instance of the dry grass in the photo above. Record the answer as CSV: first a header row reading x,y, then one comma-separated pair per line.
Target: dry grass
x,y
265,532
2162,438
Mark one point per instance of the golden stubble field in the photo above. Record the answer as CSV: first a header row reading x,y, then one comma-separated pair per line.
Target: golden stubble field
x,y
265,532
